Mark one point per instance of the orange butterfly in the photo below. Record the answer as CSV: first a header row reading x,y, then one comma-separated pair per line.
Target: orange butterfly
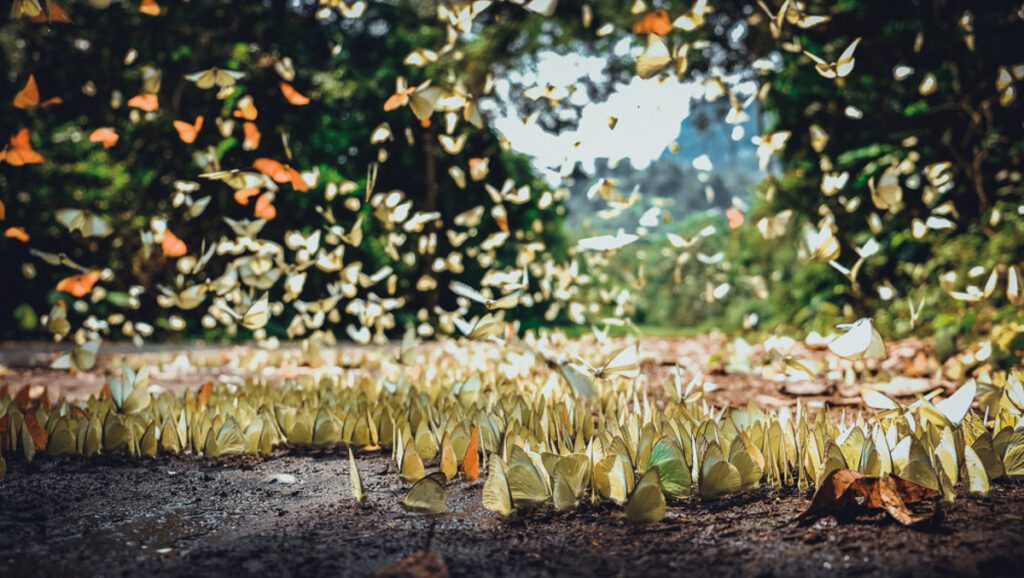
x,y
172,245
3,211
654,22
735,217
38,432
145,102
28,97
246,109
281,173
79,285
252,136
188,132
17,233
398,99
25,401
242,196
265,208
203,395
471,461
19,152
52,13
105,135
149,8
293,96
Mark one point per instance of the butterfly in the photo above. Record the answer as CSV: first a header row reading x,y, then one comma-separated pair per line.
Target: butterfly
x,y
658,56
607,242
841,67
281,173
256,316
569,480
28,97
861,340
19,151
172,246
188,132
647,503
40,11
654,22
130,391
106,136
80,358
497,496
79,285
625,363
150,8
486,327
718,477
85,222
294,97
355,479
145,102
207,79
252,136
427,496
505,302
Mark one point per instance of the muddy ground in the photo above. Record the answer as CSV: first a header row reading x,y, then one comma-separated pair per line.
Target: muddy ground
x,y
182,516
185,517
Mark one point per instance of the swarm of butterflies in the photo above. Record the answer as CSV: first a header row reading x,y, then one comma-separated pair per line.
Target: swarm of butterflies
x,y
264,278
545,430
549,429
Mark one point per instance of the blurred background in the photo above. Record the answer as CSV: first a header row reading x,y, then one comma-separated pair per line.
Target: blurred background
x,y
726,172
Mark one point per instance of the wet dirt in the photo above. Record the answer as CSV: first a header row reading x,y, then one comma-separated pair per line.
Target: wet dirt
x,y
182,516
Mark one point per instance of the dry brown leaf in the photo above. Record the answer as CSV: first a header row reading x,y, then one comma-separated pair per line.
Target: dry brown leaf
x,y
834,496
891,490
846,493
422,564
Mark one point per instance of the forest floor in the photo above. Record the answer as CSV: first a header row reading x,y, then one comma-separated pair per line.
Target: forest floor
x,y
178,516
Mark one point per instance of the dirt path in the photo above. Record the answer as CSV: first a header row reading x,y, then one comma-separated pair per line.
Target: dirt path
x,y
909,371
179,516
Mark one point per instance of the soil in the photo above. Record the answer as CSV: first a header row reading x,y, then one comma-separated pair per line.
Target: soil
x,y
182,516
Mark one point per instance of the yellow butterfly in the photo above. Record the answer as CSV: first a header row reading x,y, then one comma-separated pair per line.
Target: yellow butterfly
x,y
87,223
427,496
658,56
81,358
497,495
841,67
206,79
357,480
647,504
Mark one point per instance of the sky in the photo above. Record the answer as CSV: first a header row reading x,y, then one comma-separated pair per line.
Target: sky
x,y
649,114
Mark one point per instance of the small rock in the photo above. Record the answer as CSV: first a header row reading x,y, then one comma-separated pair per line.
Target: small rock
x,y
904,386
799,388
279,479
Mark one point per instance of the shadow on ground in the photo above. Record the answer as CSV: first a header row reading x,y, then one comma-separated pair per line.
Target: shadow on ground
x,y
181,516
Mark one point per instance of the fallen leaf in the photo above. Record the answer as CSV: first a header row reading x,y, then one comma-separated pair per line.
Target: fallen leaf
x,y
420,564
847,493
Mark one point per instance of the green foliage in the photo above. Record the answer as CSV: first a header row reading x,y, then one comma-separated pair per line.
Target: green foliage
x,y
963,123
347,67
